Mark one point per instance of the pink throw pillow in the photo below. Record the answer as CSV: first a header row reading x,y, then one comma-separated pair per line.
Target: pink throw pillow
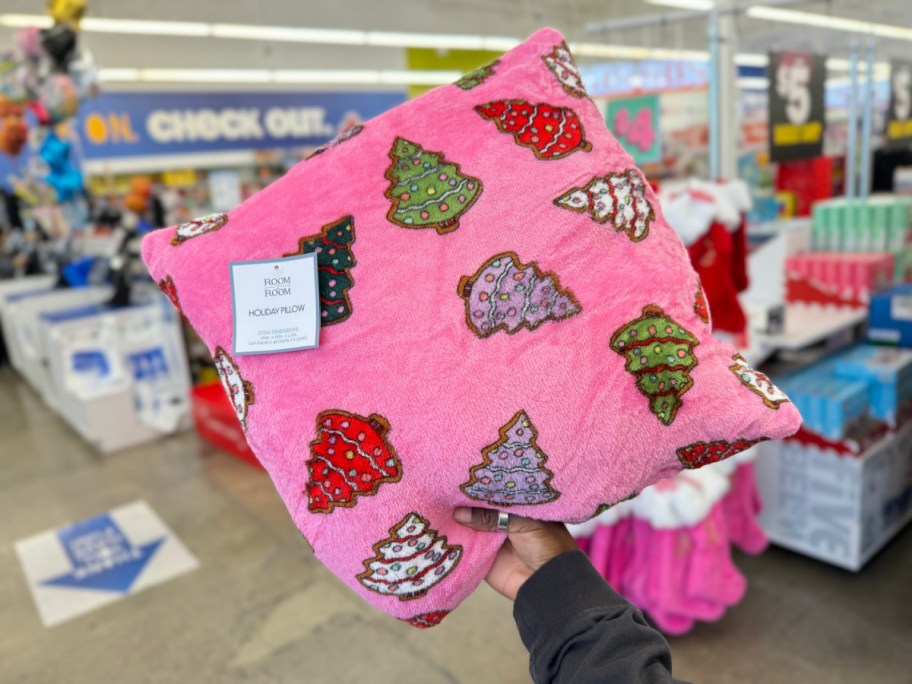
x,y
507,322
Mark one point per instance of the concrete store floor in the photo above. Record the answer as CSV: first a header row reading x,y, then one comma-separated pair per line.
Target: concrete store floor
x,y
261,609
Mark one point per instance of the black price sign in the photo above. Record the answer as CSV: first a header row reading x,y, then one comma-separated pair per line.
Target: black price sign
x,y
796,105
899,116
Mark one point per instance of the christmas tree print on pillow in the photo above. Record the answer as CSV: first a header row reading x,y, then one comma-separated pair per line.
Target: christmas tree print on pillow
x,y
426,620
197,227
561,64
513,472
426,190
350,457
660,355
505,294
410,561
700,306
347,134
699,454
550,132
166,285
758,383
476,78
240,392
335,260
616,198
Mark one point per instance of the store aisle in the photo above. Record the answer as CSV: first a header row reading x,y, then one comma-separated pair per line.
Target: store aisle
x,y
261,609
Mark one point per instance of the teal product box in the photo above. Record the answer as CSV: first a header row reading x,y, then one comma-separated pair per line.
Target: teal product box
x,y
888,372
822,226
828,404
891,317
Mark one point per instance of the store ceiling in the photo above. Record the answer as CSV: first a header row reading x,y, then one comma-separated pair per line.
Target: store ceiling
x,y
516,18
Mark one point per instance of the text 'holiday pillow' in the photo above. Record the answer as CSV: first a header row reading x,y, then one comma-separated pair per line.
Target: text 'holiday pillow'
x,y
506,321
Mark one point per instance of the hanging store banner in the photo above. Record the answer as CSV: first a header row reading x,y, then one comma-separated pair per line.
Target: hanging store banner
x,y
899,114
117,125
635,123
797,116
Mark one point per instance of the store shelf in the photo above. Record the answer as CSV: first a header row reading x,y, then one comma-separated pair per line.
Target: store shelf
x,y
806,326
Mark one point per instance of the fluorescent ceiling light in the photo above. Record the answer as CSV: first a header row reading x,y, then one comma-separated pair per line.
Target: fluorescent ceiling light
x,y
419,77
829,22
323,76
753,83
751,60
498,44
287,76
364,77
839,64
26,20
206,75
699,5
635,52
289,34
425,40
157,28
108,75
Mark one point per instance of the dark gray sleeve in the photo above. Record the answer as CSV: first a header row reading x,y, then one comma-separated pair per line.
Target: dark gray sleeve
x,y
579,630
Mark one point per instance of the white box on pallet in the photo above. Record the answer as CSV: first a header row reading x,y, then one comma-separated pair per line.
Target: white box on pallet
x,y
840,509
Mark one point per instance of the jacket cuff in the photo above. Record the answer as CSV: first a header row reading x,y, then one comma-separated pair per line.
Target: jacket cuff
x,y
557,594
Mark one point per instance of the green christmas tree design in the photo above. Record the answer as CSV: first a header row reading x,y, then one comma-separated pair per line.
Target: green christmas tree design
x,y
475,78
426,190
333,247
660,354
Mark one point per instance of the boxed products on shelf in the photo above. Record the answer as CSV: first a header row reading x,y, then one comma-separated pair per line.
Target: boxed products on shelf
x,y
887,373
829,405
891,317
835,394
876,224
119,376
840,279
836,508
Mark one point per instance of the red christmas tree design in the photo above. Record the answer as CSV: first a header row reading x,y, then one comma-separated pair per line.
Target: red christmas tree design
x,y
350,458
550,132
699,454
166,285
410,561
700,306
427,620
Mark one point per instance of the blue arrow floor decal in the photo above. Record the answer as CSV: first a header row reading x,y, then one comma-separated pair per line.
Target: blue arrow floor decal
x,y
102,557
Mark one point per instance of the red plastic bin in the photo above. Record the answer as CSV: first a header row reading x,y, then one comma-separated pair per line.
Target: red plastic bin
x,y
216,422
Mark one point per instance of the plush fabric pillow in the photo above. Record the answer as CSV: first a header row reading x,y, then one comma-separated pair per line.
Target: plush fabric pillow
x,y
508,322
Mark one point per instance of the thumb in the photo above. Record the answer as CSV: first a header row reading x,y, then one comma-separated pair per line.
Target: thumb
x,y
485,520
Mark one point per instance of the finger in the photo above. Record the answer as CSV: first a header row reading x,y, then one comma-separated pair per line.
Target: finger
x,y
485,520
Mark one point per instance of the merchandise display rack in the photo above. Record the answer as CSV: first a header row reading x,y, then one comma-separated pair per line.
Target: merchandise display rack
x,y
838,501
